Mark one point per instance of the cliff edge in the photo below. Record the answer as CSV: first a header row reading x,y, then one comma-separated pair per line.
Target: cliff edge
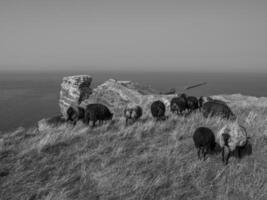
x,y
146,160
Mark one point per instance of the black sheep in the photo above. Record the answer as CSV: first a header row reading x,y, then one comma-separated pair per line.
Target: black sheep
x,y
226,149
192,103
213,108
179,105
158,110
97,112
204,140
132,113
74,114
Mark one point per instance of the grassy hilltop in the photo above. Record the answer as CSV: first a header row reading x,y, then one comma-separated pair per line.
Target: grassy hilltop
x,y
148,160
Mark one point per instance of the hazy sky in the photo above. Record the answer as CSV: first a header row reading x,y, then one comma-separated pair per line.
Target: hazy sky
x,y
134,34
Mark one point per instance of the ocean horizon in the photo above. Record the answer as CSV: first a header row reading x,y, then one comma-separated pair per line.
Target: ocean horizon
x,y
30,96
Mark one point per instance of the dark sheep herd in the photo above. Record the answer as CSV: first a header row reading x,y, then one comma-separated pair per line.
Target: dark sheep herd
x,y
182,105
93,112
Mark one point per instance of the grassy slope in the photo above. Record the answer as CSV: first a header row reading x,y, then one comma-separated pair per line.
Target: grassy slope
x,y
148,160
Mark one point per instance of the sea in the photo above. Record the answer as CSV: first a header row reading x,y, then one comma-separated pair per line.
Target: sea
x,y
26,97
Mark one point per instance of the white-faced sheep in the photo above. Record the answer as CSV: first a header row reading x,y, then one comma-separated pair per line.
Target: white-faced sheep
x,y
204,140
232,136
132,113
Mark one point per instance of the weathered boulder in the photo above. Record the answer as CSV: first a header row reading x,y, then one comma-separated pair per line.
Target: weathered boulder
x,y
45,124
74,89
42,125
116,95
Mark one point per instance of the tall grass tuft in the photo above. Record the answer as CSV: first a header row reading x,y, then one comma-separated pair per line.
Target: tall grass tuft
x,y
146,160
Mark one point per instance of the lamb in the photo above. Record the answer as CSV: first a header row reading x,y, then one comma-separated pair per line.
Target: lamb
x,y
232,136
204,140
158,110
132,113
74,114
97,112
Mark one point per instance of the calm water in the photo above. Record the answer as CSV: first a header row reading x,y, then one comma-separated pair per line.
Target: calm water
x,y
27,97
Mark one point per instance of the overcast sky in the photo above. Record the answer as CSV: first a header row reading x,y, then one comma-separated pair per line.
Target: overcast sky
x,y
188,35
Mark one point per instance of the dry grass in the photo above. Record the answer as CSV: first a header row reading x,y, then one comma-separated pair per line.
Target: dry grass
x,y
148,160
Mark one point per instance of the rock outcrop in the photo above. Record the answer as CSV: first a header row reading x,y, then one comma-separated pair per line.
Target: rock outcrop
x,y
47,123
116,95
74,89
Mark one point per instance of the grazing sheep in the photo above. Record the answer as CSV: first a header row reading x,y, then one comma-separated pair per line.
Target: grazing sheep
x,y
158,110
179,104
192,103
211,109
132,113
203,100
204,140
97,112
232,136
74,114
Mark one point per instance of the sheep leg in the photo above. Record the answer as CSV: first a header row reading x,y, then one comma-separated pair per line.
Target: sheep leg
x,y
223,155
226,152
239,152
75,119
204,150
227,158
198,153
94,121
68,119
86,118
72,120
202,153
